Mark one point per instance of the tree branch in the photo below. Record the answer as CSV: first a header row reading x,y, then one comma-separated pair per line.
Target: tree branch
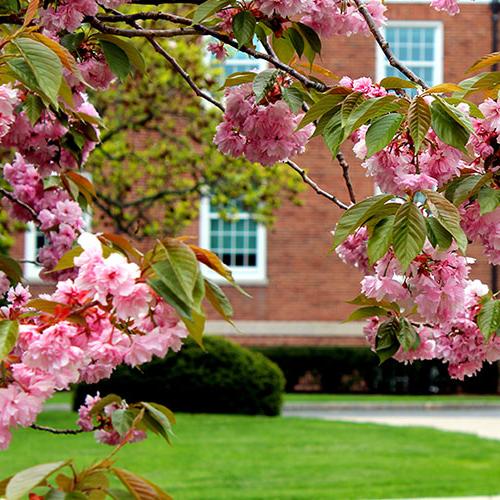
x,y
345,174
384,45
315,186
13,199
59,431
198,29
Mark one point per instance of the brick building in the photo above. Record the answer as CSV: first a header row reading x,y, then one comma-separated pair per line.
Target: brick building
x,y
299,289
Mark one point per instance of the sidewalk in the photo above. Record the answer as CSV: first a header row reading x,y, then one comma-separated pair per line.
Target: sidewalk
x,y
481,420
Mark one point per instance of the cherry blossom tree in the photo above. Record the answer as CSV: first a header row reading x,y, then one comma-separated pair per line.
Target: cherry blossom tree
x,y
432,151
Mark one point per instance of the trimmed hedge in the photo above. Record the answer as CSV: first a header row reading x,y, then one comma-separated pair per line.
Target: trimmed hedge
x,y
225,378
344,370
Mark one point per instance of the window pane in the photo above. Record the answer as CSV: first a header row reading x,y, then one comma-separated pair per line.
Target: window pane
x,y
235,240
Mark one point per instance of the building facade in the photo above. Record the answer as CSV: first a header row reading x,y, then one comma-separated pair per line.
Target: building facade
x,y
299,288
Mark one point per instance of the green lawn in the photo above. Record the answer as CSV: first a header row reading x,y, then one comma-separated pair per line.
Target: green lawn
x,y
228,457
390,398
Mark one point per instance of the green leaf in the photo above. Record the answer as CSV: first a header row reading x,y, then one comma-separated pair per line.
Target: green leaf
x,y
283,48
9,331
296,40
116,58
380,239
208,8
408,233
333,134
160,418
33,107
459,117
178,270
447,129
219,300
103,402
263,82
386,341
141,488
463,188
447,214
419,121
488,319
318,109
394,82
381,132
310,36
370,109
408,336
357,215
349,104
134,56
244,27
44,64
437,234
363,300
23,482
367,312
11,268
293,97
122,421
238,78
72,41
488,199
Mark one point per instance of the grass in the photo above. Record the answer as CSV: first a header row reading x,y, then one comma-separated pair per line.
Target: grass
x,y
227,457
390,399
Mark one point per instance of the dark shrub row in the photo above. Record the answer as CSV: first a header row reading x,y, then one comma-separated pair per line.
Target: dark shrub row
x,y
342,370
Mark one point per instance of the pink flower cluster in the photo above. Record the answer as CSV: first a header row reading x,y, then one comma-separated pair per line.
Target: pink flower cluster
x,y
353,250
262,133
364,85
333,17
106,316
58,216
395,167
458,342
484,229
434,284
9,99
68,15
105,433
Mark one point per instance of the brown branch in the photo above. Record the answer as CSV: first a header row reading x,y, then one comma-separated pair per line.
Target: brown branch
x,y
173,62
315,186
13,199
199,29
345,174
384,45
60,431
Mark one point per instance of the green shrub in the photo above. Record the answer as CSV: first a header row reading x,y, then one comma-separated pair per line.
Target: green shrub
x,y
349,369
225,378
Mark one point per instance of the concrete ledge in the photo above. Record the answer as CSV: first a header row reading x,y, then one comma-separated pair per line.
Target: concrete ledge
x,y
286,329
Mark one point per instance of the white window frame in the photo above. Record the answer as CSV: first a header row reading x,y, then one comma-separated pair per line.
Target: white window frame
x,y
438,63
244,275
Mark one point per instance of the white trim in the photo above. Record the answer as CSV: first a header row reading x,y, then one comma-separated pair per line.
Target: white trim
x,y
381,61
243,275
286,328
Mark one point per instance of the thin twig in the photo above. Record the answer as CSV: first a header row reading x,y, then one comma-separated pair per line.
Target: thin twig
x,y
60,431
345,174
13,199
384,45
315,186
199,29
